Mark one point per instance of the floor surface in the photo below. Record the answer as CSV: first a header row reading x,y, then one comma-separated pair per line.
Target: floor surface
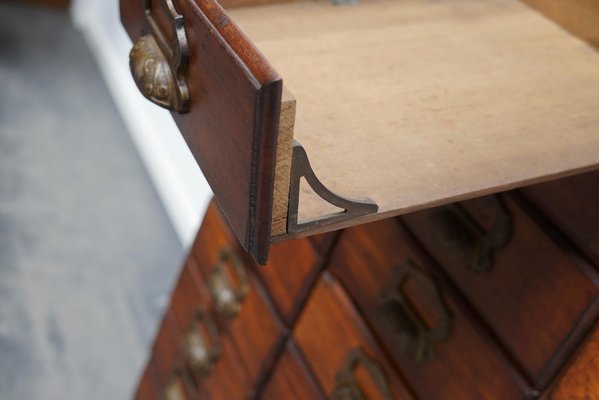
x,y
87,254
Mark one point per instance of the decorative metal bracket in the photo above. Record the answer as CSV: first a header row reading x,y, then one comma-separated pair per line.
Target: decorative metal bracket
x,y
301,168
159,67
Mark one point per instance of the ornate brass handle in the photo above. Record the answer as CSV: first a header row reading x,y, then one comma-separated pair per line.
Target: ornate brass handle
x,y
400,318
228,283
458,231
203,343
347,386
159,67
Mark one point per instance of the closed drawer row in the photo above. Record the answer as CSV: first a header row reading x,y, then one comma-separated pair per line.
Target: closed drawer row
x,y
484,299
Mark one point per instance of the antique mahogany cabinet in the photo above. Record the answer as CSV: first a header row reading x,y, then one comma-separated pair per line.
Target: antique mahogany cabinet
x,y
406,197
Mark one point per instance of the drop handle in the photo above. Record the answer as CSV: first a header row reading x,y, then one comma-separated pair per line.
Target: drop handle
x,y
228,283
203,343
459,233
399,315
347,386
159,65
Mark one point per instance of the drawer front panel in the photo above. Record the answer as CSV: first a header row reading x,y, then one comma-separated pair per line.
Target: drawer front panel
x,y
290,379
146,390
232,123
195,348
241,305
339,349
580,381
532,292
429,336
166,352
573,204
290,272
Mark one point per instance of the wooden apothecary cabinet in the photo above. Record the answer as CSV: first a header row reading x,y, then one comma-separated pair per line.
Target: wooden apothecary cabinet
x,y
413,215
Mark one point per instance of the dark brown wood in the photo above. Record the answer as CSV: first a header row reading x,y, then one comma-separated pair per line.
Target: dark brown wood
x,y
166,352
466,364
189,294
580,381
573,205
290,273
539,297
291,380
228,380
324,242
256,330
232,125
50,3
146,390
328,329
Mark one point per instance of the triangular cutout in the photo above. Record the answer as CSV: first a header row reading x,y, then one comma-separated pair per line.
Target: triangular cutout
x,y
300,171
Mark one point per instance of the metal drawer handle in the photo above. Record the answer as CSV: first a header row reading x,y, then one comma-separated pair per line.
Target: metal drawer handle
x,y
203,343
347,387
159,67
459,232
174,391
229,283
400,318
181,386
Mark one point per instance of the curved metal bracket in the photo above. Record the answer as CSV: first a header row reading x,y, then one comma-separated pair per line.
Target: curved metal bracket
x,y
158,67
301,168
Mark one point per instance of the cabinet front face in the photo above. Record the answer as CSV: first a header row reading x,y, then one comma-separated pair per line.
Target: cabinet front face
x,y
534,291
427,332
572,204
290,273
340,350
291,379
147,389
241,306
580,381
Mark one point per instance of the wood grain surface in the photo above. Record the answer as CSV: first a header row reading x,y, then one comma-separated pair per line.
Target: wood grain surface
x,y
535,281
328,329
581,379
291,380
289,274
467,364
416,103
572,204
280,204
233,123
257,343
146,389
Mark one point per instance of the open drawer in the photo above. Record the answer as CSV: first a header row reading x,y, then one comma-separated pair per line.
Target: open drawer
x,y
389,106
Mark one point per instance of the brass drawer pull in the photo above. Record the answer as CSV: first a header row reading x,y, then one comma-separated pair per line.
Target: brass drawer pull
x,y
229,283
400,317
159,67
458,232
203,343
181,386
347,386
174,391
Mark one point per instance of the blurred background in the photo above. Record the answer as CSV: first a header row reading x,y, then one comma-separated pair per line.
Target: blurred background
x,y
99,198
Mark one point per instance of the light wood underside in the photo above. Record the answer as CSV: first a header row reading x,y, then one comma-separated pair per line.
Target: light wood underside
x,y
415,103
